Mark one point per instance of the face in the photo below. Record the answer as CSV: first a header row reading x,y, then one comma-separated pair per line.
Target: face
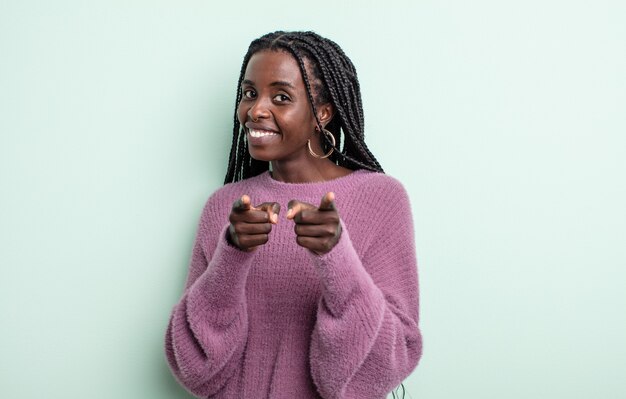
x,y
275,110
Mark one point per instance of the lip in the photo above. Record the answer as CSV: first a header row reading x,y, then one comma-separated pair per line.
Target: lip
x,y
256,126
261,137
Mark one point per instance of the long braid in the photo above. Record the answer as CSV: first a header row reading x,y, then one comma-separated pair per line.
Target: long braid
x,y
354,115
240,164
232,173
334,80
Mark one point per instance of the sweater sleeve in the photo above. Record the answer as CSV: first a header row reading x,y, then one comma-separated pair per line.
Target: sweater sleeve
x,y
366,339
207,330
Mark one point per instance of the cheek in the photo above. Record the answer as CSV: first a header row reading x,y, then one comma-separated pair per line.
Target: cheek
x,y
241,113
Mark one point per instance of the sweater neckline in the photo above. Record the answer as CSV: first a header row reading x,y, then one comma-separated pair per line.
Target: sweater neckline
x,y
267,179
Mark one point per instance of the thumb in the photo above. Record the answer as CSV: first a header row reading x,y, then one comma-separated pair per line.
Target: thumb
x,y
242,204
328,202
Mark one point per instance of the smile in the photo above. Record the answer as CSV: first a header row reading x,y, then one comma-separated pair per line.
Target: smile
x,y
261,133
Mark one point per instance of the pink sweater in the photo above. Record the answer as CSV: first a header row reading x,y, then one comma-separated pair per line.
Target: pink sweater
x,y
282,322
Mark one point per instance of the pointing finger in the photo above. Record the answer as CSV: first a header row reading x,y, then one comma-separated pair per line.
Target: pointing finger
x,y
296,207
293,208
272,209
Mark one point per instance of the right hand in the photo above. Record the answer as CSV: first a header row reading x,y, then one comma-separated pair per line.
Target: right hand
x,y
250,225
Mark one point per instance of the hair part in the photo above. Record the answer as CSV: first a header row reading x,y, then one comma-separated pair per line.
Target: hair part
x,y
333,80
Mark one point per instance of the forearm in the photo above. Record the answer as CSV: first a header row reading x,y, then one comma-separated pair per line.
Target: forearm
x,y
366,340
208,327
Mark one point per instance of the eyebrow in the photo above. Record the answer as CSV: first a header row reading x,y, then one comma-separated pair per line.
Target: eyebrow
x,y
277,83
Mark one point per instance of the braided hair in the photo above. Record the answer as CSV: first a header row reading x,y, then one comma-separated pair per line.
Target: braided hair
x,y
334,80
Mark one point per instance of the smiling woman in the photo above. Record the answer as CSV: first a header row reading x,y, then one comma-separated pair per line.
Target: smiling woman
x,y
323,303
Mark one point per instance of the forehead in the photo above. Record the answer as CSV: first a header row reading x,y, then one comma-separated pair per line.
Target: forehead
x,y
269,66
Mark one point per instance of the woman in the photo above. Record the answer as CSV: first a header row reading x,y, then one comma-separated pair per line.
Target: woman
x,y
321,303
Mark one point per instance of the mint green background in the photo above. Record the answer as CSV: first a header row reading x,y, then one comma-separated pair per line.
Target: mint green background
x,y
505,120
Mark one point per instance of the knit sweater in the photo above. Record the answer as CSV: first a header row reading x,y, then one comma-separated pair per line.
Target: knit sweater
x,y
284,322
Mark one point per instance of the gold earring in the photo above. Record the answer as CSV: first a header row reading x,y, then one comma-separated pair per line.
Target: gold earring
x,y
332,139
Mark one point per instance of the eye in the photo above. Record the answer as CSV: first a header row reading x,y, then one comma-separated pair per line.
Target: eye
x,y
281,98
249,94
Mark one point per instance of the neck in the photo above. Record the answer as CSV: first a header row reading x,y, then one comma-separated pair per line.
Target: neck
x,y
314,170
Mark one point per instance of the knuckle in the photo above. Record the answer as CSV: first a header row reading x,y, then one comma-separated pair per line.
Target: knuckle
x,y
263,216
304,216
327,245
259,239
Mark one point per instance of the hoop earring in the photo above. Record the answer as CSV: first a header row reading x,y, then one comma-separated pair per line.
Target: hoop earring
x,y
332,139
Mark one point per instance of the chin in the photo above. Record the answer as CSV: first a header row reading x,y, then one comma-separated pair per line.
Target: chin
x,y
260,155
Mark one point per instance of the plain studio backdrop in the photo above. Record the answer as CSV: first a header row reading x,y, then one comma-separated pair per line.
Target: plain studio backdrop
x,y
505,121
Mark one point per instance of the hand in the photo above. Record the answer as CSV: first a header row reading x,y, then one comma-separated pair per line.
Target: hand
x,y
317,229
250,226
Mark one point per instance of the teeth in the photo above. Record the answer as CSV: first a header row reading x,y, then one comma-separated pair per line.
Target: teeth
x,y
261,133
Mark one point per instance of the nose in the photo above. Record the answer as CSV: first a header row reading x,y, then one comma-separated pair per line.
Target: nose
x,y
258,110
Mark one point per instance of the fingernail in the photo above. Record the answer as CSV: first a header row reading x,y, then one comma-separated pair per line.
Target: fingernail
x,y
274,218
289,212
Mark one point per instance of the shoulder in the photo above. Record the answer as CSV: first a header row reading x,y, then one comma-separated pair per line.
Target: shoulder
x,y
230,192
220,202
374,199
380,186
378,209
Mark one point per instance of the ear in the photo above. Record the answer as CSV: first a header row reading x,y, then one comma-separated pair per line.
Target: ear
x,y
325,113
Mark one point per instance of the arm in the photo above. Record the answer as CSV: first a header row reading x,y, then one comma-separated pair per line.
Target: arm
x,y
366,339
207,330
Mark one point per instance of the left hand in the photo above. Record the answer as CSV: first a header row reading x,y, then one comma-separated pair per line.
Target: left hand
x,y
317,228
